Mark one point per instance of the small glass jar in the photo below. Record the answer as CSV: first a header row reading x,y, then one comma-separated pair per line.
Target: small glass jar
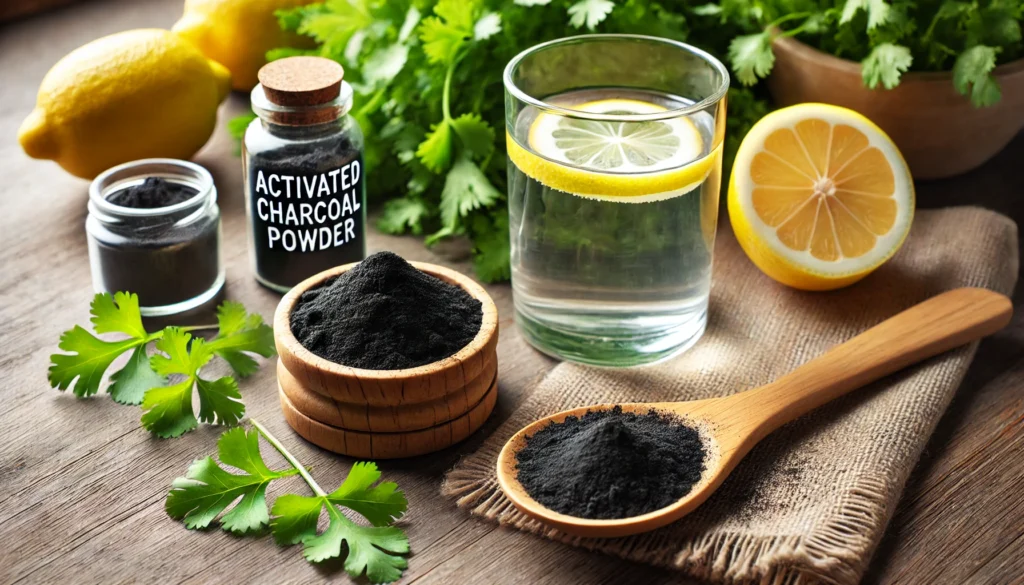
x,y
169,256
303,165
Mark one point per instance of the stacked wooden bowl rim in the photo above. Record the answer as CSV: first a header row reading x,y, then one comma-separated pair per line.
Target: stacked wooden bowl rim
x,y
384,414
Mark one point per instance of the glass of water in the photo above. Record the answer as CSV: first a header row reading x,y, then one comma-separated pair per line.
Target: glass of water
x,y
614,148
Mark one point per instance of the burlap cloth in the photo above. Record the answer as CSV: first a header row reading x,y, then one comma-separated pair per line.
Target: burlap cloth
x,y
810,503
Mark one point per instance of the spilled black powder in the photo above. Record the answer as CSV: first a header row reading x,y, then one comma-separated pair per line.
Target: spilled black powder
x,y
384,314
611,464
154,192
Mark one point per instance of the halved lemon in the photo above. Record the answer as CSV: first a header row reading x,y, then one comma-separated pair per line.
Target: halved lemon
x,y
622,161
820,196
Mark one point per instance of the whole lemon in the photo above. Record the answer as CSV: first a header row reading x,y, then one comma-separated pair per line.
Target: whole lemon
x,y
238,33
131,95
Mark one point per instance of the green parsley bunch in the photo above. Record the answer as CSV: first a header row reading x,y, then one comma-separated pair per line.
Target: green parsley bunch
x,y
888,38
430,100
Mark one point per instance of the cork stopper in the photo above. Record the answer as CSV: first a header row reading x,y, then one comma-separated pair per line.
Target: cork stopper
x,y
301,81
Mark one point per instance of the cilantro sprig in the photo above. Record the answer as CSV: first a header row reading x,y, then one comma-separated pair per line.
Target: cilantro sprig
x,y
91,357
208,491
888,38
146,380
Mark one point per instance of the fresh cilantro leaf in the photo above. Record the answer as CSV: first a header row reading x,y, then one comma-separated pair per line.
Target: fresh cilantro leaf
x,y
458,14
475,134
241,333
466,188
167,411
91,359
336,24
878,11
92,356
972,75
384,64
373,549
290,19
445,34
885,64
117,314
441,42
381,504
487,26
491,252
752,56
129,384
435,152
1002,25
208,489
589,13
401,215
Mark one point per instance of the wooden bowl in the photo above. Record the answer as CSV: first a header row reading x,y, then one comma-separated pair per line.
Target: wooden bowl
x,y
386,419
938,131
390,445
370,402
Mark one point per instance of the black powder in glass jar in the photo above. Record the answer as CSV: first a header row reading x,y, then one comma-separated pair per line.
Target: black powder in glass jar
x,y
300,233
157,237
304,173
152,193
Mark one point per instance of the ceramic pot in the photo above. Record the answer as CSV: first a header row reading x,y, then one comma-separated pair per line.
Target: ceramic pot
x,y
938,131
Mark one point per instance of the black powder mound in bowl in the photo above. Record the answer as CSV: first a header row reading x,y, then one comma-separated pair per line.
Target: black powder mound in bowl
x,y
154,192
611,464
384,314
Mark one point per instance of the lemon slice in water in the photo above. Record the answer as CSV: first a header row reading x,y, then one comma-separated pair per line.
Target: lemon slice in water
x,y
622,161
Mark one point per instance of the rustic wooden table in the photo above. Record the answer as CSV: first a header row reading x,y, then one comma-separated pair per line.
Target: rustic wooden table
x,y
82,486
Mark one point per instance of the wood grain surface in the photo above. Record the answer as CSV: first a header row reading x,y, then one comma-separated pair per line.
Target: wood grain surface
x,y
82,486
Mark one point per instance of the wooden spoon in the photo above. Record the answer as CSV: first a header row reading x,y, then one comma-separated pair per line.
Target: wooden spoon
x,y
732,425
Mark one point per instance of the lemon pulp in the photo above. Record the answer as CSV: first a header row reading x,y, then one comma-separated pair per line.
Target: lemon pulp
x,y
618,160
820,197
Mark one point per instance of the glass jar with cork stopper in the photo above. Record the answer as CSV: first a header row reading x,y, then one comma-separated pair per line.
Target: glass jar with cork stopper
x,y
303,164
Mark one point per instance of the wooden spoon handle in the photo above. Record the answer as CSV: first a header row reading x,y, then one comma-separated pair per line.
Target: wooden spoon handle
x,y
936,325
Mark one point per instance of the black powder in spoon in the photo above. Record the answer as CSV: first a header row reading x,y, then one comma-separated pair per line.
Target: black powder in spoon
x,y
611,464
385,314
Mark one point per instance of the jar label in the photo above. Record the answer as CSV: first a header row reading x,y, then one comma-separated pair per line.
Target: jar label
x,y
303,222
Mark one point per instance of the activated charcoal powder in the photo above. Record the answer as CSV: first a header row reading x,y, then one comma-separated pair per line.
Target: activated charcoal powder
x,y
154,230
611,464
385,314
304,179
152,193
